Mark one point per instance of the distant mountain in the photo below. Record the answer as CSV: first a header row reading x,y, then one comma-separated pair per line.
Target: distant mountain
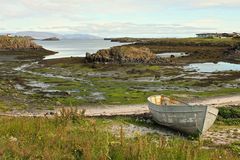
x,y
38,35
80,36
46,35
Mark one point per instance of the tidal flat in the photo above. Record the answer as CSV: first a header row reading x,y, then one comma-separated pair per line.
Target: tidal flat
x,y
72,82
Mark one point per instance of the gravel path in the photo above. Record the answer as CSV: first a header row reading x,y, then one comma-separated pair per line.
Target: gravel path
x,y
115,110
220,101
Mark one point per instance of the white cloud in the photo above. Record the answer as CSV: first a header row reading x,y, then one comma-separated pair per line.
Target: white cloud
x,y
206,22
90,6
2,29
11,9
116,17
216,3
129,29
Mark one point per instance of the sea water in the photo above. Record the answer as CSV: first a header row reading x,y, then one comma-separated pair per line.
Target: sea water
x,y
213,67
76,48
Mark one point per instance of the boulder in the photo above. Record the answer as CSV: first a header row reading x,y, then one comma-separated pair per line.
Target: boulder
x,y
123,54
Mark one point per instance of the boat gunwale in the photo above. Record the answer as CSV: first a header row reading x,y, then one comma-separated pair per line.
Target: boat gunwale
x,y
180,103
179,111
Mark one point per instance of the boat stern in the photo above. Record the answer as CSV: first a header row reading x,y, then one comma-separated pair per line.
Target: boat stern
x,y
210,117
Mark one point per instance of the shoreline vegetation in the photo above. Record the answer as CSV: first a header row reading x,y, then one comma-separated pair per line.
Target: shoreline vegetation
x,y
74,137
123,75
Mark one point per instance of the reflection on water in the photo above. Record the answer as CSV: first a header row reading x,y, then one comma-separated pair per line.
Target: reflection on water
x,y
76,48
213,67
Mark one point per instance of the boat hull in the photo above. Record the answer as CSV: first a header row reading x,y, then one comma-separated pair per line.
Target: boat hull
x,y
185,118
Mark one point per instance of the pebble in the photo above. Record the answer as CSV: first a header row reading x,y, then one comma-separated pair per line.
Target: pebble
x,y
13,139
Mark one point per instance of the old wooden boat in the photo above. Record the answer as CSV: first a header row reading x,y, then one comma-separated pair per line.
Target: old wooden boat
x,y
190,119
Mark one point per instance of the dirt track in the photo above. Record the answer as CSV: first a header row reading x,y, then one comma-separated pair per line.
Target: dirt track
x,y
115,110
220,101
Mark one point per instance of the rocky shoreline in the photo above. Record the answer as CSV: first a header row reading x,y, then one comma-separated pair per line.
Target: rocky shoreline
x,y
197,49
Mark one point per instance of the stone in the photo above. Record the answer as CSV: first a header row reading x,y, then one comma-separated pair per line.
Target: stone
x,y
12,139
122,54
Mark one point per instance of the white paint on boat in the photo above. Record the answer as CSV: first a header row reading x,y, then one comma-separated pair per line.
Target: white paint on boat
x,y
191,119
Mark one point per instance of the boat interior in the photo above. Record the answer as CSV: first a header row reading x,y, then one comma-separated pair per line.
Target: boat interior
x,y
162,101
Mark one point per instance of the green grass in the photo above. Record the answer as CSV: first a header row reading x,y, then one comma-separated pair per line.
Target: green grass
x,y
3,107
236,147
73,137
184,41
118,88
117,84
229,115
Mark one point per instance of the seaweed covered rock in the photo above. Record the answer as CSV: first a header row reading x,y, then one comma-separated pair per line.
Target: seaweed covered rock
x,y
123,54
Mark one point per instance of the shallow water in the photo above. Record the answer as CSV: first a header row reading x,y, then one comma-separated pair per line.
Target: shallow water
x,y
169,54
213,67
37,84
76,48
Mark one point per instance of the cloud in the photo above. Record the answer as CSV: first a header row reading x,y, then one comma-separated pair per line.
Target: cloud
x,y
206,22
2,29
119,17
89,6
219,3
18,8
129,29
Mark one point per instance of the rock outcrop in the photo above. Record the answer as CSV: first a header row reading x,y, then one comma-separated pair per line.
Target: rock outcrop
x,y
123,54
17,43
22,47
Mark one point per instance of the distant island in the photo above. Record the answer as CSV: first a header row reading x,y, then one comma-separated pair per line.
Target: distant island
x,y
51,39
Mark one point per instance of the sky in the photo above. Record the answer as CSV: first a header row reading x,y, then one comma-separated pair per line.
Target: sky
x,y
121,18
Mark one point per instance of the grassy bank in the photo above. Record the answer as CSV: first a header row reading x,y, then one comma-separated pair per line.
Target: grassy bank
x,y
72,137
199,49
182,41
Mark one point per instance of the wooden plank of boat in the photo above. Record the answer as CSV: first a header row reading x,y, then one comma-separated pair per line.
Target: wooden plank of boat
x,y
190,119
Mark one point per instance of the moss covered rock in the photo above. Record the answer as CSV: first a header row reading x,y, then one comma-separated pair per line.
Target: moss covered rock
x,y
122,54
